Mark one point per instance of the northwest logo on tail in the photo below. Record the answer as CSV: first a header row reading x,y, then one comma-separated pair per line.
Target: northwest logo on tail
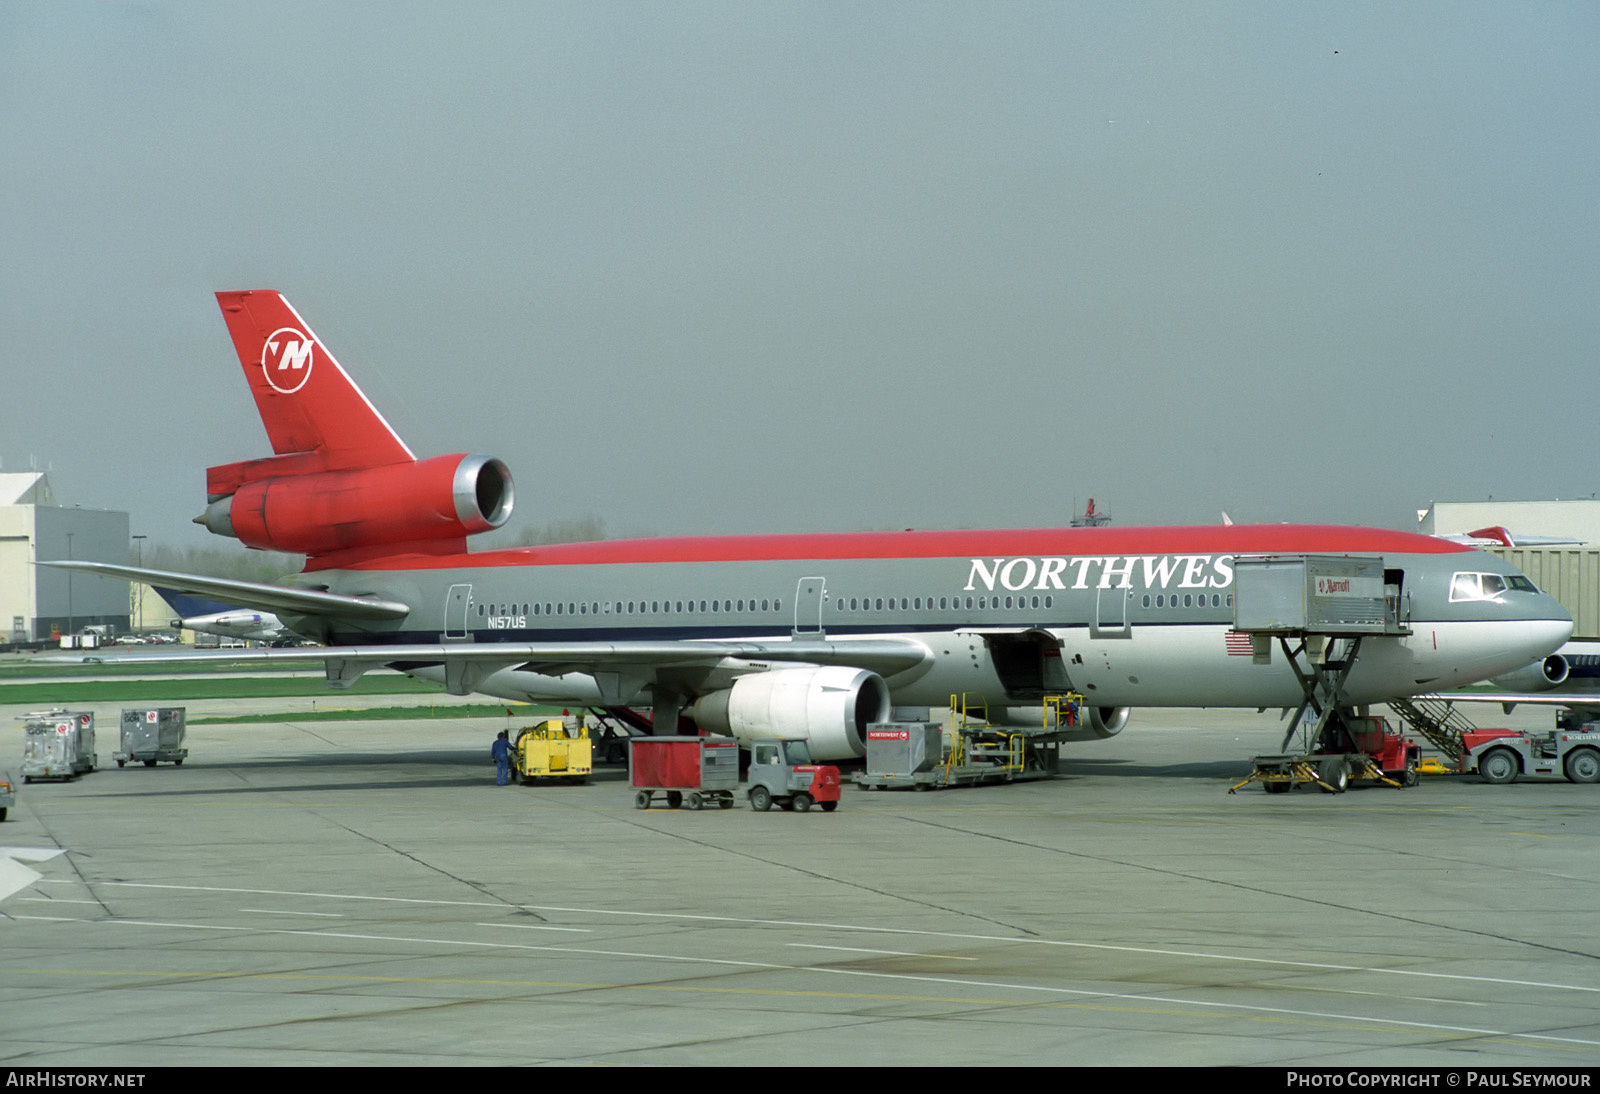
x,y
287,358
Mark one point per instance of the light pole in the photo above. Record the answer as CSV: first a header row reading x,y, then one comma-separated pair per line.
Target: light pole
x,y
69,586
138,610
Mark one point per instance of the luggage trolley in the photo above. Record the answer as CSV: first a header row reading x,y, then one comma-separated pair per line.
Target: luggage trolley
x,y
692,771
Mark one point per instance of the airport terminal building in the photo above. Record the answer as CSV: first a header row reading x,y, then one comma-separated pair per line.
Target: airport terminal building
x,y
38,603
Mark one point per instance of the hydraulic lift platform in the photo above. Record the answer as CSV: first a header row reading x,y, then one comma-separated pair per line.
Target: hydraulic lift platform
x,y
911,755
1318,609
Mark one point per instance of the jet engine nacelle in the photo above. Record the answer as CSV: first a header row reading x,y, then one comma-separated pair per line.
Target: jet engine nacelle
x,y
830,707
1539,676
1094,723
443,498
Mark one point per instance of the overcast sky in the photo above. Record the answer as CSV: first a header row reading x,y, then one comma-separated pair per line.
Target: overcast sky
x,y
746,267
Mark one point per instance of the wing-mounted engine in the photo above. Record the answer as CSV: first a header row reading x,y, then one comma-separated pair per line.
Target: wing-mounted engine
x,y
273,505
830,707
1094,723
1540,676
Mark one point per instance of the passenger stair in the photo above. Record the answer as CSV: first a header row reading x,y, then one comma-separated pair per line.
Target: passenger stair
x,y
1438,720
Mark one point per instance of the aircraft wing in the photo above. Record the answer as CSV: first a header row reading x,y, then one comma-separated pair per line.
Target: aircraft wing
x,y
884,655
1577,700
467,663
249,594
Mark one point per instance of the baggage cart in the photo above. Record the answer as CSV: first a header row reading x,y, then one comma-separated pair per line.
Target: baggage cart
x,y
152,735
692,771
58,744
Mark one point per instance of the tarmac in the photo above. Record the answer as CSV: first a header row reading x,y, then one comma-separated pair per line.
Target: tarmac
x,y
362,893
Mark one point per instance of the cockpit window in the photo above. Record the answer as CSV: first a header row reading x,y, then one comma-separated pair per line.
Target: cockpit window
x,y
1486,586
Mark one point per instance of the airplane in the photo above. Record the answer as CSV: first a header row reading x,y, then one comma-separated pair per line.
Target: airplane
x,y
214,617
1568,678
1500,536
758,636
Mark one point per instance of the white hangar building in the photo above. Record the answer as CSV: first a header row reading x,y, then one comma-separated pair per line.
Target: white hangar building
x,y
37,602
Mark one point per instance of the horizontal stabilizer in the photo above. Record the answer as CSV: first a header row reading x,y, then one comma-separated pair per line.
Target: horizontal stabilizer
x,y
250,594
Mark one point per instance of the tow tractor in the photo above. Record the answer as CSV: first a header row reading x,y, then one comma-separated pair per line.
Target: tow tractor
x,y
1500,755
781,772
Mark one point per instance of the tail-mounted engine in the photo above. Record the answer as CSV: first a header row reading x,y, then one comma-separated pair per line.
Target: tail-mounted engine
x,y
274,505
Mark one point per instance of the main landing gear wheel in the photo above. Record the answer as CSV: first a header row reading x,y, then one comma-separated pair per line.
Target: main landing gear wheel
x,y
1583,765
1499,766
641,800
760,799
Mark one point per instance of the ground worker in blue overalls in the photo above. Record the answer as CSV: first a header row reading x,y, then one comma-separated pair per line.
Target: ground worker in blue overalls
x,y
501,751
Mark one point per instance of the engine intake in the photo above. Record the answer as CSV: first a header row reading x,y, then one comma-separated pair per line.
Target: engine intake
x,y
1539,676
1094,723
830,707
317,513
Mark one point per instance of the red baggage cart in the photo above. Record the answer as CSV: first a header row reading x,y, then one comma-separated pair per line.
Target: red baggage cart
x,y
684,770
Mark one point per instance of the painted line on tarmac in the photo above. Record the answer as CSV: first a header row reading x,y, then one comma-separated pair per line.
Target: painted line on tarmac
x,y
1016,940
949,981
887,953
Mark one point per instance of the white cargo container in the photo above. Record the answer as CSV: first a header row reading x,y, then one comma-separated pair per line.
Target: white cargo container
x,y
151,735
58,744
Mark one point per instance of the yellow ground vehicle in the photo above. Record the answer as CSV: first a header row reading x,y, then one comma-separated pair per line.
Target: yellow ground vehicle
x,y
551,749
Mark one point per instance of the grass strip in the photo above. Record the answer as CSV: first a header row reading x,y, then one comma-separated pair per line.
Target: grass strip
x,y
376,714
203,687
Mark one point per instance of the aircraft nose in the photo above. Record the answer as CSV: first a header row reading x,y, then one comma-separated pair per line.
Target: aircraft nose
x,y
1543,637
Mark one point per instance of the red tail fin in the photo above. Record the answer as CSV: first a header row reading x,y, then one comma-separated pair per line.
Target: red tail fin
x,y
306,401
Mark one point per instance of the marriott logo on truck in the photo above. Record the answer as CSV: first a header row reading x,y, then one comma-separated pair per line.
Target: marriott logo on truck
x,y
1102,572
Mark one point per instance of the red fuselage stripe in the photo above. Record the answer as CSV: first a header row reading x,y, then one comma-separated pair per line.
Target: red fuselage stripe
x,y
1250,539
